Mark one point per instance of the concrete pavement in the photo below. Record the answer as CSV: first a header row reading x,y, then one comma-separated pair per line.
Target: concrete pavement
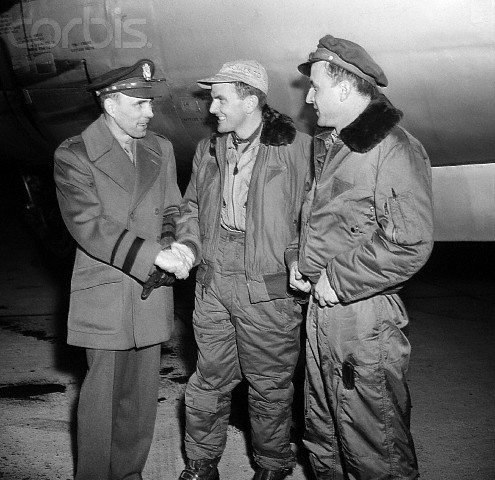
x,y
452,310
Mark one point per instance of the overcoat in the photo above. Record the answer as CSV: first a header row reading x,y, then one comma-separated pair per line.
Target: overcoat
x,y
121,216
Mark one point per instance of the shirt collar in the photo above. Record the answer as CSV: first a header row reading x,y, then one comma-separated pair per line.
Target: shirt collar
x,y
329,136
236,140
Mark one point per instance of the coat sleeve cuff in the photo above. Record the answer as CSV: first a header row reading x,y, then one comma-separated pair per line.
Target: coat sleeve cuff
x,y
328,272
193,249
144,260
291,256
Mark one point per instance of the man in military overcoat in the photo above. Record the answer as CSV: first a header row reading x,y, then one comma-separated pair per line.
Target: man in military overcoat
x,y
118,194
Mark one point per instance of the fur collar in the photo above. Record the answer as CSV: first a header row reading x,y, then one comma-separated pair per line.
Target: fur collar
x,y
278,129
372,126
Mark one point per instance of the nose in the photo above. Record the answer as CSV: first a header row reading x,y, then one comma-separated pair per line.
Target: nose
x,y
310,97
148,110
214,107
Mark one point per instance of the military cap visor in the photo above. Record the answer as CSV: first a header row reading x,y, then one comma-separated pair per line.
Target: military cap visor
x,y
134,81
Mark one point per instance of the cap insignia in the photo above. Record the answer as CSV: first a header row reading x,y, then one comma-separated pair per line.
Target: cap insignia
x,y
146,72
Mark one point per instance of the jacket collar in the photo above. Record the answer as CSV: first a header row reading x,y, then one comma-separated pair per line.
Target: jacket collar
x,y
372,125
278,129
99,140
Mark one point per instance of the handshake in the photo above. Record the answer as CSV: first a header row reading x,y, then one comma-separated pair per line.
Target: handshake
x,y
174,262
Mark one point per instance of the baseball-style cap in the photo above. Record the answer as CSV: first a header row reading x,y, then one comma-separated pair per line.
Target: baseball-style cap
x,y
250,72
348,55
134,81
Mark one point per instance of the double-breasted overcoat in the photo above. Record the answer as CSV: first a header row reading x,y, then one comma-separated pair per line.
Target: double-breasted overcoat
x,y
121,215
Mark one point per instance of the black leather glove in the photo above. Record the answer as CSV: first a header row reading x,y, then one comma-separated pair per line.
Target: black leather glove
x,y
157,279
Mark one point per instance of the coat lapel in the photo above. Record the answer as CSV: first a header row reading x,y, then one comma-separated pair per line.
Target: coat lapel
x,y
148,165
107,155
330,164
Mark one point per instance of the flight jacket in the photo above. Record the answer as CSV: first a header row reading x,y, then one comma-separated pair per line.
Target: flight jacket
x,y
278,184
368,219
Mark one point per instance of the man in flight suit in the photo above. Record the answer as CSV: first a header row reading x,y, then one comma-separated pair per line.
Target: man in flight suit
x,y
239,214
367,228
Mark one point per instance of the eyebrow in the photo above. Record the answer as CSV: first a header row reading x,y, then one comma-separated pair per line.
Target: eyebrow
x,y
218,95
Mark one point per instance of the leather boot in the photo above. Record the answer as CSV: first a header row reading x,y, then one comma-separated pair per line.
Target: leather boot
x,y
265,474
204,469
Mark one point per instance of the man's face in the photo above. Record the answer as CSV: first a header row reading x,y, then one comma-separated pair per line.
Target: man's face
x,y
132,115
324,95
228,107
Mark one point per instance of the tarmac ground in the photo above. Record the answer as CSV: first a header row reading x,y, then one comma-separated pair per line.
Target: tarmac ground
x,y
451,304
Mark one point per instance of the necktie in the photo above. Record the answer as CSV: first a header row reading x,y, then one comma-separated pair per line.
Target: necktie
x,y
128,150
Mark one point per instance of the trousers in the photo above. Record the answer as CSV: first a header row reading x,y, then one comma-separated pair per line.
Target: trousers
x,y
236,339
116,413
357,402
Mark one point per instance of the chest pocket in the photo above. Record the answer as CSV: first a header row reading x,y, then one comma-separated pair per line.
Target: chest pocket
x,y
359,207
274,172
211,171
339,187
208,178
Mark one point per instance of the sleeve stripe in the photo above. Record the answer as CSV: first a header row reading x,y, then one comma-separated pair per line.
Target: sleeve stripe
x,y
116,246
131,254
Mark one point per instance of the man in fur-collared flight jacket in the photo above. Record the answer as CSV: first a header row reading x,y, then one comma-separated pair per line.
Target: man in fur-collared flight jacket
x,y
239,213
367,228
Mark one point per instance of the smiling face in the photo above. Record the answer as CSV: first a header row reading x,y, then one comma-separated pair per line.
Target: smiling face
x,y
228,107
130,115
325,96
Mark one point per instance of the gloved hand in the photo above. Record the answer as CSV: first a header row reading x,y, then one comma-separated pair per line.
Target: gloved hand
x,y
184,252
157,279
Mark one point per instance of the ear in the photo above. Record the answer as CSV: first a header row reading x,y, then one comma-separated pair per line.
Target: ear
x,y
251,103
345,90
109,106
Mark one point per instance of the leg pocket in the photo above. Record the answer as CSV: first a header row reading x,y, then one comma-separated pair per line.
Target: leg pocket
x,y
286,315
198,399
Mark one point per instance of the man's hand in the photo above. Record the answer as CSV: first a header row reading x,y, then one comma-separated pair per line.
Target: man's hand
x,y
171,263
184,252
296,279
324,293
157,279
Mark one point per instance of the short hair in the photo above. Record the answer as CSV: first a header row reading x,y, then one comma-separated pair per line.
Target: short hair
x,y
244,90
338,74
113,95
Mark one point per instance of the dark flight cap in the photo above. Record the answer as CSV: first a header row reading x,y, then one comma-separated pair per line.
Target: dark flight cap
x,y
135,81
348,55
